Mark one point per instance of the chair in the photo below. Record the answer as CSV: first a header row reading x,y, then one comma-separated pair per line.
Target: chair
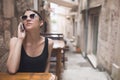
x,y
55,36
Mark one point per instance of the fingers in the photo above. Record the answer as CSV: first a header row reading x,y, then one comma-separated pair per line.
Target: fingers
x,y
53,77
19,27
21,31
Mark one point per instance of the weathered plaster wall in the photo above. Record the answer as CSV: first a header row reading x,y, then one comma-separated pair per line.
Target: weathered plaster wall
x,y
108,34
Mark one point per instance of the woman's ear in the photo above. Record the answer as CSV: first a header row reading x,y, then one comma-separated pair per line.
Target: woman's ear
x,y
41,23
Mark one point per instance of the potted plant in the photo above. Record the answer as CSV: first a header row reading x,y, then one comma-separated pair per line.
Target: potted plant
x,y
78,50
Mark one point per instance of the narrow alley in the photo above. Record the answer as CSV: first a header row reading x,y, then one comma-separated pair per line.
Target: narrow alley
x,y
83,39
79,68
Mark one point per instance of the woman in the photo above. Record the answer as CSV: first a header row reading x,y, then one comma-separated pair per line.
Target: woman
x,y
29,52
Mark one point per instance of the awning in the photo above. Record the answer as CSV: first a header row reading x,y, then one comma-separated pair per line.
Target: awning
x,y
64,3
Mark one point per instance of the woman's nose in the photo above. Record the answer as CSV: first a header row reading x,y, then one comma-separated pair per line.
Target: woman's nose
x,y
28,18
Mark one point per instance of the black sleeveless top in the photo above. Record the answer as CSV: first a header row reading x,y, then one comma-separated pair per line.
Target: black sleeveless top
x,y
34,64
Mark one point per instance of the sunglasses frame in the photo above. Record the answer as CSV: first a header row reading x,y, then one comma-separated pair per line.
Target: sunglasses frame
x,y
31,16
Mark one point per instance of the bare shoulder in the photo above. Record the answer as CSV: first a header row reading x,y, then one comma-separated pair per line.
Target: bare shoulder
x,y
50,41
50,45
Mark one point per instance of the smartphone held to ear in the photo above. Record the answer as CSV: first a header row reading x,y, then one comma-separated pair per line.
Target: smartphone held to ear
x,y
22,28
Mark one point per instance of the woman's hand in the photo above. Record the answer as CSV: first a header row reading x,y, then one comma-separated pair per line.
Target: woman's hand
x,y
21,31
53,77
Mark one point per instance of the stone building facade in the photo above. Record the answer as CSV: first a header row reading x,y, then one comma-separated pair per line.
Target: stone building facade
x,y
100,32
10,12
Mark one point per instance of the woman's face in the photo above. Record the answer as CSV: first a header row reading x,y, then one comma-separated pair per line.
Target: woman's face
x,y
31,20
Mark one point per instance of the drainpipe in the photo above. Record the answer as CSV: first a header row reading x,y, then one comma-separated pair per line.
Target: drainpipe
x,y
86,27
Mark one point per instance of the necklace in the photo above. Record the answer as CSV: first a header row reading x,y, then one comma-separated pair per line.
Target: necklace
x,y
35,49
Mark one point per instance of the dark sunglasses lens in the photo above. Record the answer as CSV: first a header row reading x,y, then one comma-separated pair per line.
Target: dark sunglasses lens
x,y
32,16
24,17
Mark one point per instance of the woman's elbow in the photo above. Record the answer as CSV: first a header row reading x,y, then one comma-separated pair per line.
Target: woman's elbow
x,y
11,70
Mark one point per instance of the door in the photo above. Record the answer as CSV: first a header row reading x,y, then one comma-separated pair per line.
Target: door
x,y
94,33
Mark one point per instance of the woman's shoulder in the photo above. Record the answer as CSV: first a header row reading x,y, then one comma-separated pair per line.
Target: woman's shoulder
x,y
50,41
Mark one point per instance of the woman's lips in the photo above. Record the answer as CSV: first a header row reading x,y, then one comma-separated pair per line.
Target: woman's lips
x,y
28,24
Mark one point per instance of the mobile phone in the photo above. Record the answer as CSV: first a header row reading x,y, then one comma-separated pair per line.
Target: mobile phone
x,y
22,28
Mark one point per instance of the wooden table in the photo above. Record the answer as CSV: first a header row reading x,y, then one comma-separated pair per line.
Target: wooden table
x,y
25,76
57,48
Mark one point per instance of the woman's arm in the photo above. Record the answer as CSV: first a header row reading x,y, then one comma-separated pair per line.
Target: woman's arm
x,y
15,51
14,55
50,47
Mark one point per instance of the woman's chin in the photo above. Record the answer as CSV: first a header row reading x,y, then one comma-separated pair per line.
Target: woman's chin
x,y
28,27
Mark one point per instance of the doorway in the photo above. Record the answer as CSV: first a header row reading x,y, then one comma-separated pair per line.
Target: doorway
x,y
95,19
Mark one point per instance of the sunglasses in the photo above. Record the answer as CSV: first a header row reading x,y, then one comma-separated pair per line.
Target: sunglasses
x,y
32,16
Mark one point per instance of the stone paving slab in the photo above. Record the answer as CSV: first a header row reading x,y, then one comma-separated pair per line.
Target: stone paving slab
x,y
79,68
84,74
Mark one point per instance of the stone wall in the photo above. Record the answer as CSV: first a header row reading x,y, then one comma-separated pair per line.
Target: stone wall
x,y
44,7
10,11
108,34
5,31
